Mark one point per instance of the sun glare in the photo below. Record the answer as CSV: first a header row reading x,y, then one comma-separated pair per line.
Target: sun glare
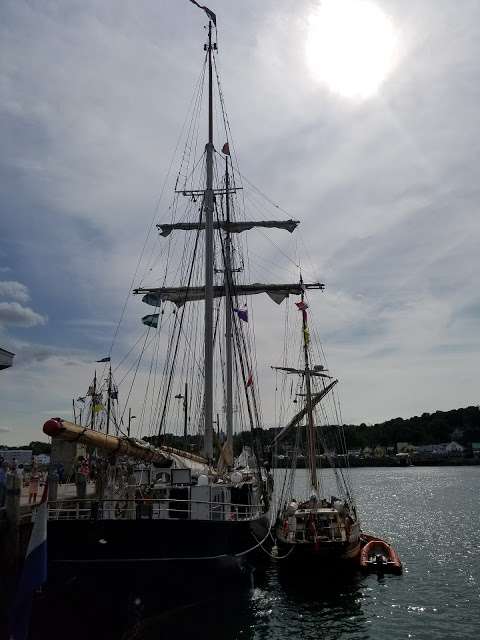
x,y
351,46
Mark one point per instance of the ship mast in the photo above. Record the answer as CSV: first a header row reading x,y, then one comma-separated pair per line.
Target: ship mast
x,y
311,448
109,398
228,318
208,291
209,206
93,397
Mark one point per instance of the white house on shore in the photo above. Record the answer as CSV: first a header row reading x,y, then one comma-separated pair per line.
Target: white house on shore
x,y
441,449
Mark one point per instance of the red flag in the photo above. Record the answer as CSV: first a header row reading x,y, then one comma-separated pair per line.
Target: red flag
x,y
303,306
250,380
226,149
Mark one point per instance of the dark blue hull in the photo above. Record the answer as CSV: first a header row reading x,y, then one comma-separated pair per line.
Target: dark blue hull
x,y
154,543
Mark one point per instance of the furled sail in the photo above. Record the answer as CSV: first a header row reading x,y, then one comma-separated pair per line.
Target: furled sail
x,y
319,373
138,449
316,398
231,227
181,295
151,320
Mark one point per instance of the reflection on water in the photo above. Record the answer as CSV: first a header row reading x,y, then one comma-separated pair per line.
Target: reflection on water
x,y
432,516
271,604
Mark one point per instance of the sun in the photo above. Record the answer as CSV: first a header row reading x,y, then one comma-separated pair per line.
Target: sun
x,y
351,46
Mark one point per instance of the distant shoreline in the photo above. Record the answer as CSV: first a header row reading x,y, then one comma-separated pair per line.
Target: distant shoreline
x,y
392,462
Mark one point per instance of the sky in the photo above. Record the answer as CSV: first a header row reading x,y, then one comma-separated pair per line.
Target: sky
x,y
360,118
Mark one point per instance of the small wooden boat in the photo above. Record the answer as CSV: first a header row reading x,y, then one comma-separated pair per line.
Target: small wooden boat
x,y
377,555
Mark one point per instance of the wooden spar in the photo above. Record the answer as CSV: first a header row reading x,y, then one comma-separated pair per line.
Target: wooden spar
x,y
316,398
58,428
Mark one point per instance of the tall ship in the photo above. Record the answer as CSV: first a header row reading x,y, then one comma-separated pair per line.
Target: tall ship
x,y
317,516
183,500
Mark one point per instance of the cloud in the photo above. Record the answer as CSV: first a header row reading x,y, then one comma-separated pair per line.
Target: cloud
x,y
31,353
15,290
5,430
386,191
13,313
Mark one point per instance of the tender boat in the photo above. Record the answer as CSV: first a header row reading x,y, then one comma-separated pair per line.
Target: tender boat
x,y
378,555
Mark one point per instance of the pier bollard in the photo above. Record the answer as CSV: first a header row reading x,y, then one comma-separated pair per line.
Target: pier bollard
x,y
12,507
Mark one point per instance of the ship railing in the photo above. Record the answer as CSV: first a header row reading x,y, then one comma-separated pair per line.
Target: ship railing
x,y
151,509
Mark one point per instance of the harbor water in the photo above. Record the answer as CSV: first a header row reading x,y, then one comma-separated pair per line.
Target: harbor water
x,y
430,514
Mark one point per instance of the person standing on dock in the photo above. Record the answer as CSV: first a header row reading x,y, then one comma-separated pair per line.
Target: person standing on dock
x,y
33,486
81,478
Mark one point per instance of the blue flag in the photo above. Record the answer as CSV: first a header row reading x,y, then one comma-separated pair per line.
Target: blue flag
x,y
242,314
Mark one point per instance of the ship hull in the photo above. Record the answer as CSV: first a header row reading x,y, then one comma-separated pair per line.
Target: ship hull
x,y
154,544
331,553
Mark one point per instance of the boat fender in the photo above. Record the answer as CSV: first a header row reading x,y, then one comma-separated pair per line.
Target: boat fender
x,y
292,507
202,480
236,477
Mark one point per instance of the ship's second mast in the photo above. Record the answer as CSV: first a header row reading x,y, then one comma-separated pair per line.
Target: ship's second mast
x,y
228,319
311,446
209,206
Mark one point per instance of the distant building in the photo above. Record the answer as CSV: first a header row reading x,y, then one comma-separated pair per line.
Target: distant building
x,y
21,456
454,447
430,450
6,358
476,449
441,449
405,447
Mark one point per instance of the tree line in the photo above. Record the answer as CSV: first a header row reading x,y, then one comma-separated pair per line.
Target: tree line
x,y
461,425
